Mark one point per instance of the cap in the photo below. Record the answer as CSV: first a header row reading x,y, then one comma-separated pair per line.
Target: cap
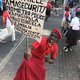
x,y
57,32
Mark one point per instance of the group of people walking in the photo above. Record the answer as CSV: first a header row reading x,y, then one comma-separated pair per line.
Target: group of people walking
x,y
73,31
8,26
71,26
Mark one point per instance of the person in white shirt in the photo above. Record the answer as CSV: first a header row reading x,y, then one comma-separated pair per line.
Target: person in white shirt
x,y
71,36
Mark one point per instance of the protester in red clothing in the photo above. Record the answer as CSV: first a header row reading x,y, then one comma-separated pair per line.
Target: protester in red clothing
x,y
9,29
5,16
32,67
48,9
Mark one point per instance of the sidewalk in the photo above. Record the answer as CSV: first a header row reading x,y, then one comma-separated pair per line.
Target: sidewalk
x,y
67,65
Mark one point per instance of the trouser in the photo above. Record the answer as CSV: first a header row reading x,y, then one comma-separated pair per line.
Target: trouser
x,y
69,46
12,29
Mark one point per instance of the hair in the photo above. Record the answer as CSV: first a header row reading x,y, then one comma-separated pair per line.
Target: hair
x,y
77,14
78,11
52,3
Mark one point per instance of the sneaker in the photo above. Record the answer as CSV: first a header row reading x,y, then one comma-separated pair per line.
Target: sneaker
x,y
70,49
15,40
66,49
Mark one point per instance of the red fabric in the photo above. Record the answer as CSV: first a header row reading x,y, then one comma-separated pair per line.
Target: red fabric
x,y
44,48
67,14
57,32
34,69
49,6
53,50
36,44
5,15
31,70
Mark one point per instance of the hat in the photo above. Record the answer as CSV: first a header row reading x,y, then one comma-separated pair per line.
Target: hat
x,y
67,14
57,32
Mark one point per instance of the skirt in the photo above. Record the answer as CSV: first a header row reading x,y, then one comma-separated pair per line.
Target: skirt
x,y
71,37
33,69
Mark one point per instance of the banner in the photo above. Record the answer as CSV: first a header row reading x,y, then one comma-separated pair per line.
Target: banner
x,y
28,16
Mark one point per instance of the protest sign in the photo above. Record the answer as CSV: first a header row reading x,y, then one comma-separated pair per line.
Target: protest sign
x,y
28,16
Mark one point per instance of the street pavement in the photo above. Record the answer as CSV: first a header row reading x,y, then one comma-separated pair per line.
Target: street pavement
x,y
66,66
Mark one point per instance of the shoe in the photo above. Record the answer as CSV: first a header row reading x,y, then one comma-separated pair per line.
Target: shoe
x,y
15,40
70,49
66,49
